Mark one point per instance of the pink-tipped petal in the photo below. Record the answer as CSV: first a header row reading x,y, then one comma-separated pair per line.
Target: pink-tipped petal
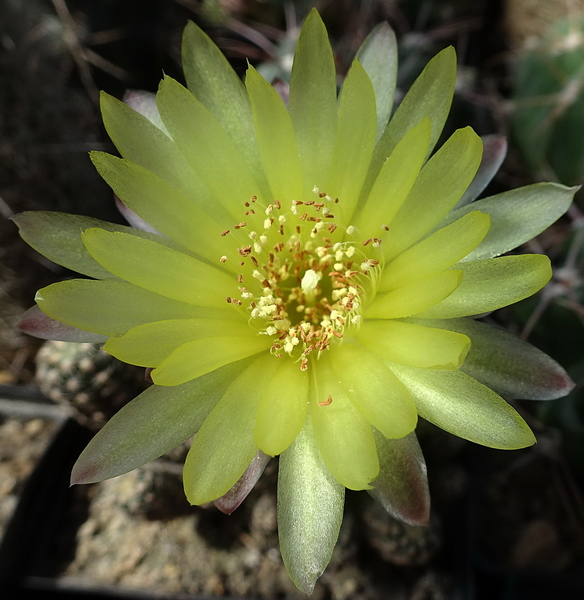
x,y
402,484
144,103
238,493
133,219
36,323
494,152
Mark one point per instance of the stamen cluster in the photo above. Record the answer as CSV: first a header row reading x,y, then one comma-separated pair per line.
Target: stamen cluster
x,y
305,281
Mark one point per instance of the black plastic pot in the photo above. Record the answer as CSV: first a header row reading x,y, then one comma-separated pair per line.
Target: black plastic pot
x,y
33,520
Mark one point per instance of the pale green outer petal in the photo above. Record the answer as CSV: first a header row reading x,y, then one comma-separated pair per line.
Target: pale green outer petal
x,y
225,446
164,207
207,147
507,364
155,422
214,82
193,359
374,390
395,180
114,307
379,57
414,345
354,142
414,297
430,96
141,142
464,407
149,344
275,138
313,100
402,484
344,437
491,284
310,510
517,216
441,183
437,252
159,269
58,237
282,411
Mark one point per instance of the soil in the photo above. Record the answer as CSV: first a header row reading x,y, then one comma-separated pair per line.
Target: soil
x,y
164,545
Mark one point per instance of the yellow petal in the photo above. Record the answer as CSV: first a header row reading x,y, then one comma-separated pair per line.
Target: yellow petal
x,y
354,142
395,180
193,359
279,152
313,100
414,345
149,344
283,408
344,437
374,390
414,297
441,183
437,252
159,269
224,446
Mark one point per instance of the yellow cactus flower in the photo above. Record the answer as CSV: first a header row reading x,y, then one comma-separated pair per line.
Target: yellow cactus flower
x,y
302,281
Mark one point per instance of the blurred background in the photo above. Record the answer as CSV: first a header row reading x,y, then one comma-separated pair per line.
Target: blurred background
x,y
506,525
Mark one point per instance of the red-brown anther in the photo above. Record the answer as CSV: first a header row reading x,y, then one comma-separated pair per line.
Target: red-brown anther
x,y
329,216
245,251
278,205
240,278
224,233
254,260
326,402
303,217
367,242
322,195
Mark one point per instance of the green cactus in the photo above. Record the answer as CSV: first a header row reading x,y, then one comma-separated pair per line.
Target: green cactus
x,y
548,116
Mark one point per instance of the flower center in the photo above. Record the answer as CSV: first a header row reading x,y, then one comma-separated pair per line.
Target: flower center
x,y
304,277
